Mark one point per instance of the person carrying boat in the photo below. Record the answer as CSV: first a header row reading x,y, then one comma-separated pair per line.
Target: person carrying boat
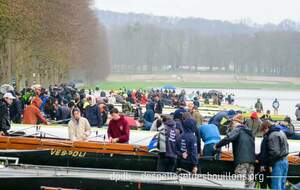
x,y
79,127
273,154
243,149
195,113
187,149
32,114
254,123
275,106
167,142
5,102
118,128
210,135
259,106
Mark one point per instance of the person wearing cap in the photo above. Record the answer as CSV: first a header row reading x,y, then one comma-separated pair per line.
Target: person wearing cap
x,y
32,114
254,123
243,148
5,102
273,154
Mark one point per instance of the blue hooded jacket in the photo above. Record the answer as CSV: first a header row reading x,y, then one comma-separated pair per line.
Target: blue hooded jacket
x,y
93,115
187,142
171,138
149,114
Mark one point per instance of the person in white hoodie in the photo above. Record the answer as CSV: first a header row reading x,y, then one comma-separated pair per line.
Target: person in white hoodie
x,y
79,127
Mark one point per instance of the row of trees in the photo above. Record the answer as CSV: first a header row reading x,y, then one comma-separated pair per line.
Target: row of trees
x,y
51,41
142,47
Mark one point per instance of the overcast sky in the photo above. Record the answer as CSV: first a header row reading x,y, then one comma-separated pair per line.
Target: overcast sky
x,y
259,11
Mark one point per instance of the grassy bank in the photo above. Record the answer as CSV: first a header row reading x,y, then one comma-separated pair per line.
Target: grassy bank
x,y
146,85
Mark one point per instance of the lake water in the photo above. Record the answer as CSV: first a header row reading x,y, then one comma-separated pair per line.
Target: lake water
x,y
247,98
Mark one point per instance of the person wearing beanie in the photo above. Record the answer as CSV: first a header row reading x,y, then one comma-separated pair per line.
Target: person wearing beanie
x,y
187,149
243,147
254,123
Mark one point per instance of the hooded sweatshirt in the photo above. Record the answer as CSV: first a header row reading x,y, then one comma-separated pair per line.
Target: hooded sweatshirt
x,y
187,142
92,113
32,113
119,129
149,114
168,138
79,130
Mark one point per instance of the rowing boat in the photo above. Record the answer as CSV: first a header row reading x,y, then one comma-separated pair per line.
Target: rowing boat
x,y
208,111
137,137
44,151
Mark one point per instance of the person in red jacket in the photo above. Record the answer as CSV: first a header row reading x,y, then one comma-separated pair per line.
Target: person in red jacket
x,y
118,128
32,113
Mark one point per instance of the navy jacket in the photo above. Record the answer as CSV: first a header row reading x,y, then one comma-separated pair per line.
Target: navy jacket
x,y
171,138
93,115
187,142
149,114
179,112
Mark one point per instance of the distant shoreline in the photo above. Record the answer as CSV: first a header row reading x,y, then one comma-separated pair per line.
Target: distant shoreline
x,y
192,80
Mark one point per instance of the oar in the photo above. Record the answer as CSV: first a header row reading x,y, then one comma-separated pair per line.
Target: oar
x,y
59,121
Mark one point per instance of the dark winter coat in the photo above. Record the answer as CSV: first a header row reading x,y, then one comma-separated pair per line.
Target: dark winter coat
x,y
4,116
92,113
242,144
187,142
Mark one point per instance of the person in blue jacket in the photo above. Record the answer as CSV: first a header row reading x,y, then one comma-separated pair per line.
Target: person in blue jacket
x,y
149,113
92,113
187,149
210,135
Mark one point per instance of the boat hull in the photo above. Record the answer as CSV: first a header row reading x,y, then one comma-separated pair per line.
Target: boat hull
x,y
120,161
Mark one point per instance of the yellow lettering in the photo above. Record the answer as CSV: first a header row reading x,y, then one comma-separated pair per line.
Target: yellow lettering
x,y
64,152
57,152
82,154
75,154
52,151
70,152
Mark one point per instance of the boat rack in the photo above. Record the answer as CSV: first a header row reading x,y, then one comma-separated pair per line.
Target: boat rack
x,y
53,176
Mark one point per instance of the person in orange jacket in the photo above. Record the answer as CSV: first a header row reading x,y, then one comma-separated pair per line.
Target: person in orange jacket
x,y
32,113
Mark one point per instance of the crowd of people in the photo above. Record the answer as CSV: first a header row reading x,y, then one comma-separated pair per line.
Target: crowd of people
x,y
179,135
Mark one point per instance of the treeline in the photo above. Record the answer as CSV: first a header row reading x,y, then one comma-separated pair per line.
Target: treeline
x,y
152,47
51,41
